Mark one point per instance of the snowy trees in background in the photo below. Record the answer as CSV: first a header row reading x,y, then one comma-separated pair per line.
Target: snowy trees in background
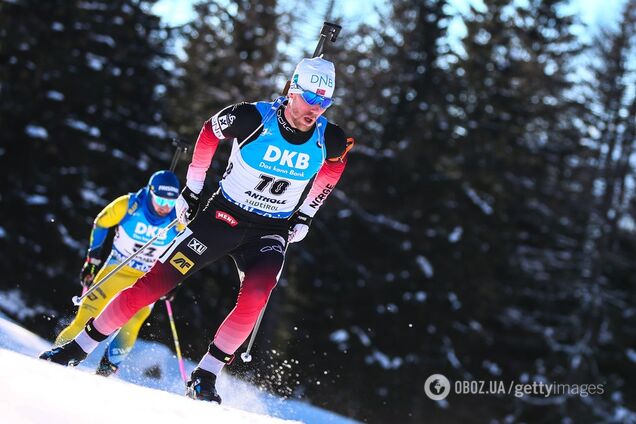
x,y
82,121
605,287
484,227
231,54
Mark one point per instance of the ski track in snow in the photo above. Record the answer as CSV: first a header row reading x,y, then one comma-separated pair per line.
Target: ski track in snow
x,y
34,391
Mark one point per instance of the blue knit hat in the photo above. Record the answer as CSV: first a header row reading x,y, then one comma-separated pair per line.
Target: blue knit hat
x,y
164,184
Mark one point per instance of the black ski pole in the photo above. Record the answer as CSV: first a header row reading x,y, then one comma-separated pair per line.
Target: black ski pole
x,y
182,147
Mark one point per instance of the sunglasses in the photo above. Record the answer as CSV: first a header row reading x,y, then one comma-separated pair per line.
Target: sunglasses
x,y
315,99
163,201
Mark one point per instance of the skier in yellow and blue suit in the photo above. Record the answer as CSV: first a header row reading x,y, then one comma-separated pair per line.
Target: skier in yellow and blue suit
x,y
137,218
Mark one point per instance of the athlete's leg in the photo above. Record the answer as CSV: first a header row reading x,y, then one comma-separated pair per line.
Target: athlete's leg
x,y
207,238
119,348
93,304
259,264
204,241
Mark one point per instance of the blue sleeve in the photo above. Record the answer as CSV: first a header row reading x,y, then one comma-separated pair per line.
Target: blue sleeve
x,y
98,236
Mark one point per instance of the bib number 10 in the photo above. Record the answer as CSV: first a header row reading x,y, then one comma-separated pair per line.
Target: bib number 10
x,y
276,187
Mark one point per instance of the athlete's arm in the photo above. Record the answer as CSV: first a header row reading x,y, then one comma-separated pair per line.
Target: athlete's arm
x,y
109,217
330,172
338,145
235,121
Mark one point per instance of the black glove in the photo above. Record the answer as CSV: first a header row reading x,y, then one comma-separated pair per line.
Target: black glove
x,y
298,226
187,206
89,271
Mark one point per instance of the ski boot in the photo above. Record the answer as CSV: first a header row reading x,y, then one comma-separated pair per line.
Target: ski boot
x,y
69,354
106,368
202,386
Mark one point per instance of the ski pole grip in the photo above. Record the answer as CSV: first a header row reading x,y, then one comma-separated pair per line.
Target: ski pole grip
x,y
181,147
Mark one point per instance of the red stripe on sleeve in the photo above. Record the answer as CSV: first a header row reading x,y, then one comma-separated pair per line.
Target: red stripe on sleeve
x,y
204,150
323,185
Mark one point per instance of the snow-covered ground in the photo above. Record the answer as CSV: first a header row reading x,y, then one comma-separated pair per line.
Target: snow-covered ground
x,y
34,391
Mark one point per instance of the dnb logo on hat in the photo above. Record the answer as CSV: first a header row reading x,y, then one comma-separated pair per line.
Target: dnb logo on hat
x,y
316,75
321,80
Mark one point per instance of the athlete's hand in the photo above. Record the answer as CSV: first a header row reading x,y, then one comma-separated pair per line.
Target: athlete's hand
x,y
89,271
298,226
187,206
